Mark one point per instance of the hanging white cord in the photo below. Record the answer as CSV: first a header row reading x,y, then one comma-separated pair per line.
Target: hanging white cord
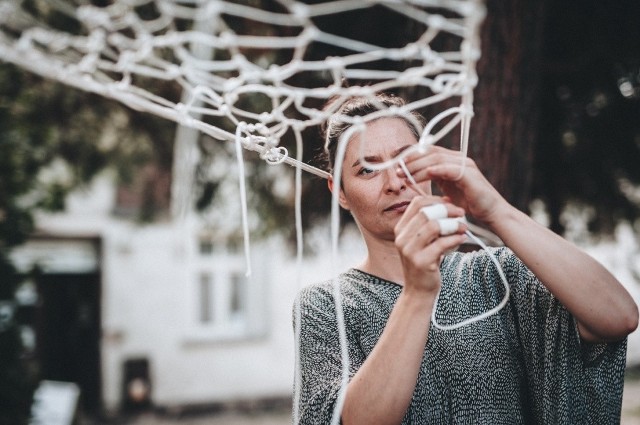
x,y
298,200
337,297
298,314
243,196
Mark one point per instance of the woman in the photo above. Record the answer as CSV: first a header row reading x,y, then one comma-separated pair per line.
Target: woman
x,y
555,354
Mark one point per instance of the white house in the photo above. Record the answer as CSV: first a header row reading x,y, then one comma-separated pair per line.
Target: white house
x,y
163,307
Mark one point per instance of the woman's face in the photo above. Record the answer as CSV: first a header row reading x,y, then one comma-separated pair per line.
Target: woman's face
x,y
377,199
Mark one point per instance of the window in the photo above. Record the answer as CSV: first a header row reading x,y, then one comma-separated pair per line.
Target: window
x,y
206,298
238,296
206,246
228,305
223,300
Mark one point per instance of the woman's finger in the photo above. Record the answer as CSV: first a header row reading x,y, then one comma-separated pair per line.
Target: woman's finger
x,y
419,202
418,165
427,258
427,222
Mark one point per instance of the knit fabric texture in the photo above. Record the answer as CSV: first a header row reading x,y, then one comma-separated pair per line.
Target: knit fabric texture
x,y
524,365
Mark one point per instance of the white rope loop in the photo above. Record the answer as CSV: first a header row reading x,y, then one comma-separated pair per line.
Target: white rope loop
x,y
486,314
439,212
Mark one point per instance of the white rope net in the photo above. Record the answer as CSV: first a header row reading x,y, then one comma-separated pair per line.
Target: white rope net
x,y
249,62
251,71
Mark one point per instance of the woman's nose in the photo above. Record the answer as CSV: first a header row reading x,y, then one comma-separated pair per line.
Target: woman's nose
x,y
393,182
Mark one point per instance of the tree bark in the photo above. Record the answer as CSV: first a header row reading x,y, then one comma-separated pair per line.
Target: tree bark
x,y
503,130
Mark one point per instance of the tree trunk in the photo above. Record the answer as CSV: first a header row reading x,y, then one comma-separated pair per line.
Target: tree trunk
x,y
503,130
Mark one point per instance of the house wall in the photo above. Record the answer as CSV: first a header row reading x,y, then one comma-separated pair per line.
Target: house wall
x,y
149,306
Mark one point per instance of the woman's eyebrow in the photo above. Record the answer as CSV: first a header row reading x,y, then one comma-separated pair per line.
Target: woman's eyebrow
x,y
376,158
401,149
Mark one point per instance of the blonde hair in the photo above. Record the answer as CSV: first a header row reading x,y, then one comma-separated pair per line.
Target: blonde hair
x,y
357,106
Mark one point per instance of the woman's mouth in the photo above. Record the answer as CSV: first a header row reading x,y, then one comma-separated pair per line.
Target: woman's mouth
x,y
397,207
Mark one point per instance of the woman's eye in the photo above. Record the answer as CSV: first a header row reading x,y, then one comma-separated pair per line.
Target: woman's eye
x,y
364,171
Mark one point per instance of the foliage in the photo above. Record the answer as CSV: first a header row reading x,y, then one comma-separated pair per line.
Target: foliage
x,y
53,140
589,146
16,384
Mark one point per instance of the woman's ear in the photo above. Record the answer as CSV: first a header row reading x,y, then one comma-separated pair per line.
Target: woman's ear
x,y
341,198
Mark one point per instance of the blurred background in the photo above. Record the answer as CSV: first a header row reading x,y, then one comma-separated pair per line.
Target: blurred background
x,y
110,303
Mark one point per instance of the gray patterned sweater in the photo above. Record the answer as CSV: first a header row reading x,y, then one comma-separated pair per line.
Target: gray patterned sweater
x,y
523,365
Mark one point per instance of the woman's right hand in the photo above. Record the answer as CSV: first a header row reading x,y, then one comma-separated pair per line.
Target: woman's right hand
x,y
421,246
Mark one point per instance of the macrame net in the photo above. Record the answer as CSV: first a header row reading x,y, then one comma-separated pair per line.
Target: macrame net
x,y
251,72
253,64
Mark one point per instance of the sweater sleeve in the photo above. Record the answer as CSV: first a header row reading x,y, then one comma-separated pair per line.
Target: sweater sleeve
x,y
569,381
320,361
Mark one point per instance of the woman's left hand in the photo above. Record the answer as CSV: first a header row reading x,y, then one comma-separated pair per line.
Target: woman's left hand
x,y
458,178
